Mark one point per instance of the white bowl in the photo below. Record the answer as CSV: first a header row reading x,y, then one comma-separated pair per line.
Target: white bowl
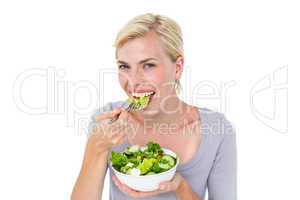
x,y
148,182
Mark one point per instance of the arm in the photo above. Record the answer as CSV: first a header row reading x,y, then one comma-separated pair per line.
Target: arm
x,y
89,184
222,178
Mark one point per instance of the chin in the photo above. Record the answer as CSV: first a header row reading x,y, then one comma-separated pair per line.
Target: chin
x,y
151,110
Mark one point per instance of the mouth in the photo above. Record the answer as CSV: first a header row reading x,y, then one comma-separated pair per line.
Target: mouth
x,y
138,95
141,100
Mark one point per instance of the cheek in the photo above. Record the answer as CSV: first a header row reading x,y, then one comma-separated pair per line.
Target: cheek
x,y
156,80
162,83
122,80
158,76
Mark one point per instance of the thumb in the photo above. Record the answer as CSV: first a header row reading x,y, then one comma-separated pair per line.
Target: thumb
x,y
108,115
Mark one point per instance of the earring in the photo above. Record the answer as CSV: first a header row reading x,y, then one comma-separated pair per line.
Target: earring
x,y
177,86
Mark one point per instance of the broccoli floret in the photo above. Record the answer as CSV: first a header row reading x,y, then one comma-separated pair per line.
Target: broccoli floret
x,y
155,168
153,147
118,160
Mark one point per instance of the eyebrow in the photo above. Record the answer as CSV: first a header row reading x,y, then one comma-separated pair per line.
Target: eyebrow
x,y
140,62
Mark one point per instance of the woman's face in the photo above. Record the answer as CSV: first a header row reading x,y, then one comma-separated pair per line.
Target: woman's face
x,y
144,66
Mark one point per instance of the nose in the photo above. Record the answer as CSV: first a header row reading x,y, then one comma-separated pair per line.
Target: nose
x,y
136,78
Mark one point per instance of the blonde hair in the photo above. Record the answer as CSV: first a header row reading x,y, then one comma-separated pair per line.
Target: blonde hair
x,y
167,29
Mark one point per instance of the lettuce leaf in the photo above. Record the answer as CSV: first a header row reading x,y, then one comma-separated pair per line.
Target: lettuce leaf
x,y
151,159
139,103
118,160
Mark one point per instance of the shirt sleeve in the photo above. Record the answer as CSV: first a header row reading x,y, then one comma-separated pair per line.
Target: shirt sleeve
x,y
222,180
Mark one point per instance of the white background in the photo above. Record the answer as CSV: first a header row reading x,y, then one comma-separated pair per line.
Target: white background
x,y
248,45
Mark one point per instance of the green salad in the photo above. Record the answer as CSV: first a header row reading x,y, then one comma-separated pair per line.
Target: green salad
x,y
138,161
139,103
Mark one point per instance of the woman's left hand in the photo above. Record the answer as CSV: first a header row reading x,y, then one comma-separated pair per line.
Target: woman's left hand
x,y
168,186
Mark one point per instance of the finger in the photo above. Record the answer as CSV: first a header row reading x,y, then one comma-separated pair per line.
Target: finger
x,y
115,178
127,190
127,116
117,183
171,185
121,186
103,144
108,115
123,117
97,128
137,194
117,129
130,125
118,140
121,127
108,130
102,147
100,126
165,186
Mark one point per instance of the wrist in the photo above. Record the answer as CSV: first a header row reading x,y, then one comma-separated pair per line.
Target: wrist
x,y
184,191
181,187
95,161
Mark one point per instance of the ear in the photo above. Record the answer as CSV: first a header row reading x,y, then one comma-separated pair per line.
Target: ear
x,y
179,67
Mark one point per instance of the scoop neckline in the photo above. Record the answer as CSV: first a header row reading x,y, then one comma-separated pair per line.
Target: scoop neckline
x,y
195,158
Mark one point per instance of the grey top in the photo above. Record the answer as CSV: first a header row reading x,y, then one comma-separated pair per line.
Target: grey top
x,y
213,167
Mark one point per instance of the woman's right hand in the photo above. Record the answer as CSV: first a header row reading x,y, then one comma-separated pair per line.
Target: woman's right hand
x,y
104,136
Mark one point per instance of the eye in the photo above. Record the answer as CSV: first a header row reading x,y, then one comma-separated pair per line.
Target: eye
x,y
123,67
149,65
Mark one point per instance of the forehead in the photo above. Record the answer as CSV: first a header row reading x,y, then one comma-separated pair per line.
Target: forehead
x,y
141,48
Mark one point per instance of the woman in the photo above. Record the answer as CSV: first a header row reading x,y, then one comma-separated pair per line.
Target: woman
x,y
149,53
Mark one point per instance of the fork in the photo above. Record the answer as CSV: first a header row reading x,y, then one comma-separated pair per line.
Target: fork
x,y
131,107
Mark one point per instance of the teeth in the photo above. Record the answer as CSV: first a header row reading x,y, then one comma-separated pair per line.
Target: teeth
x,y
141,94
